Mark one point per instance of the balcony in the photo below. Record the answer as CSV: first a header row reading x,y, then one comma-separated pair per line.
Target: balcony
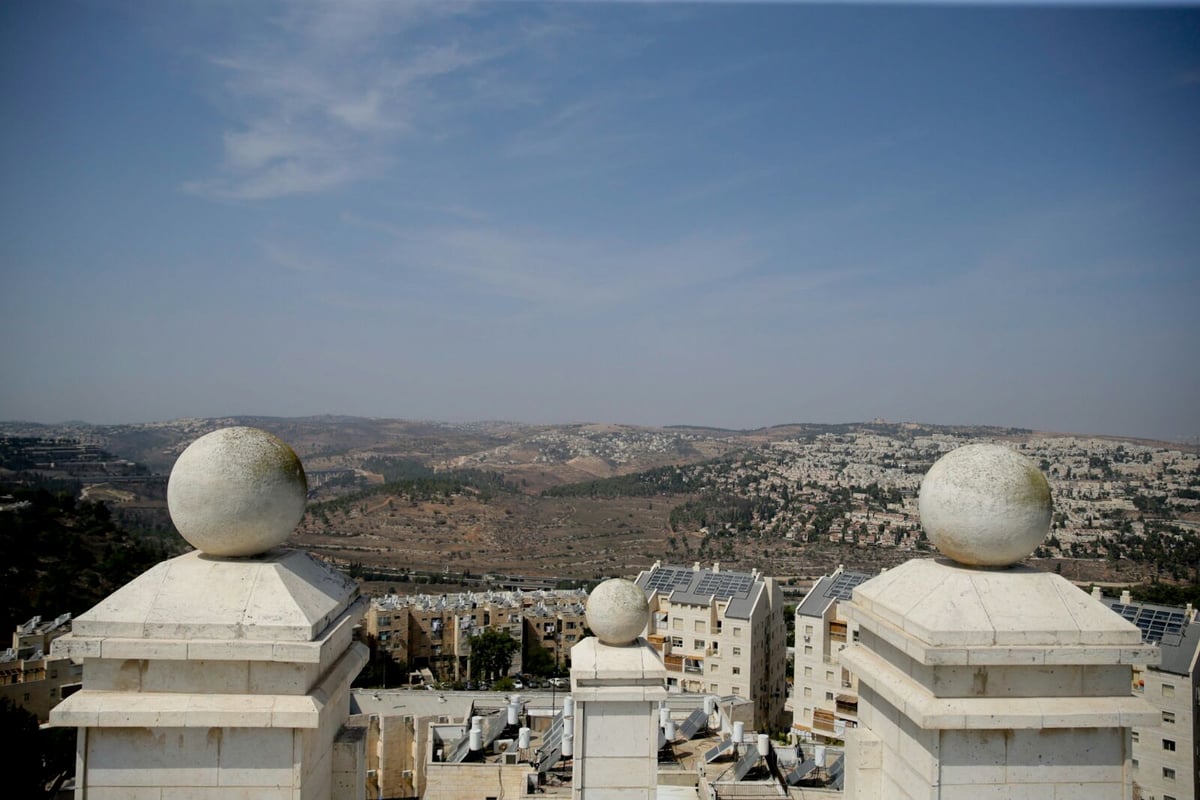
x,y
822,720
673,663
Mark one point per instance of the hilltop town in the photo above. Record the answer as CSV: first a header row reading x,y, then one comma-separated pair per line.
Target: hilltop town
x,y
424,501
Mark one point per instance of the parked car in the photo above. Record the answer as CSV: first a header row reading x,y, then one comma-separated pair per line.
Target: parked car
x,y
560,683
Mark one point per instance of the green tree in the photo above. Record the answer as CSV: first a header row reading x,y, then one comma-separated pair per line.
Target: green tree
x,y
492,653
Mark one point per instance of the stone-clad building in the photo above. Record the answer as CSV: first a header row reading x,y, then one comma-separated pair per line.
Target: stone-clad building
x,y
824,693
720,632
434,631
1165,757
32,678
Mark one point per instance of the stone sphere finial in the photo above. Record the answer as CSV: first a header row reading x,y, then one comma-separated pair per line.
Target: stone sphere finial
x,y
237,492
985,505
617,611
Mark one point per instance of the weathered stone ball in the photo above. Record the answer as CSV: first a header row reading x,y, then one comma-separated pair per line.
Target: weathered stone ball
x,y
617,611
237,492
985,505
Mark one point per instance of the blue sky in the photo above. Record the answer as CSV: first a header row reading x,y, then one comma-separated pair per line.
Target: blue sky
x,y
720,214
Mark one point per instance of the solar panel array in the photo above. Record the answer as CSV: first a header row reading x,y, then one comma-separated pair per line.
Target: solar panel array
x,y
668,579
714,753
550,751
1154,623
548,759
695,721
492,727
749,759
725,584
801,772
844,584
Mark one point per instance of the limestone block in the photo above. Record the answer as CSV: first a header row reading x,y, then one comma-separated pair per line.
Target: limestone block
x,y
279,678
251,757
113,676
1066,756
616,730
124,793
229,711
621,793
195,677
612,772
152,757
1089,791
1042,791
973,757
226,793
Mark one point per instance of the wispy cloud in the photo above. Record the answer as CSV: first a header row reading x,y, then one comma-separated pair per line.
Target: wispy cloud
x,y
324,98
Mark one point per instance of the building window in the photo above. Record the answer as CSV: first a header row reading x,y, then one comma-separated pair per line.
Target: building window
x,y
1135,736
712,688
713,667
1135,763
737,651
676,641
808,649
737,632
829,675
697,644
1169,744
1168,774
1168,718
737,670
808,630
808,691
700,627
716,647
677,624
1168,690
829,695
737,691
808,672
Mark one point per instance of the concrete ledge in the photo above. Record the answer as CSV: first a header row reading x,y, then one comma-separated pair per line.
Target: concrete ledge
x,y
91,708
995,654
331,641
989,713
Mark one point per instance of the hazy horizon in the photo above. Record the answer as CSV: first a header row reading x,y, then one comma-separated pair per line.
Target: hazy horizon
x,y
599,422
731,215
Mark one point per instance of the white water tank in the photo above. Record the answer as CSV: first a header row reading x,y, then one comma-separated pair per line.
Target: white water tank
x,y
524,738
739,732
764,745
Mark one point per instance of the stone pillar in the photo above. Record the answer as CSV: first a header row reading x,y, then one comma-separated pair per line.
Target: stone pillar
x,y
617,682
214,676
985,679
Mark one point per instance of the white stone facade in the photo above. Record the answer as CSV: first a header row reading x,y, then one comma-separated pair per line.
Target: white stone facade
x,y
990,684
617,690
732,645
218,678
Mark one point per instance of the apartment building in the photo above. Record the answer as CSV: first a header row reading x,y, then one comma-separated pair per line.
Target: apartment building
x,y
434,631
29,676
1165,756
824,694
720,632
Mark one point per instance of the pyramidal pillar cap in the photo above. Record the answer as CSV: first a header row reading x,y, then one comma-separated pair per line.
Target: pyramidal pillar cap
x,y
237,492
985,505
